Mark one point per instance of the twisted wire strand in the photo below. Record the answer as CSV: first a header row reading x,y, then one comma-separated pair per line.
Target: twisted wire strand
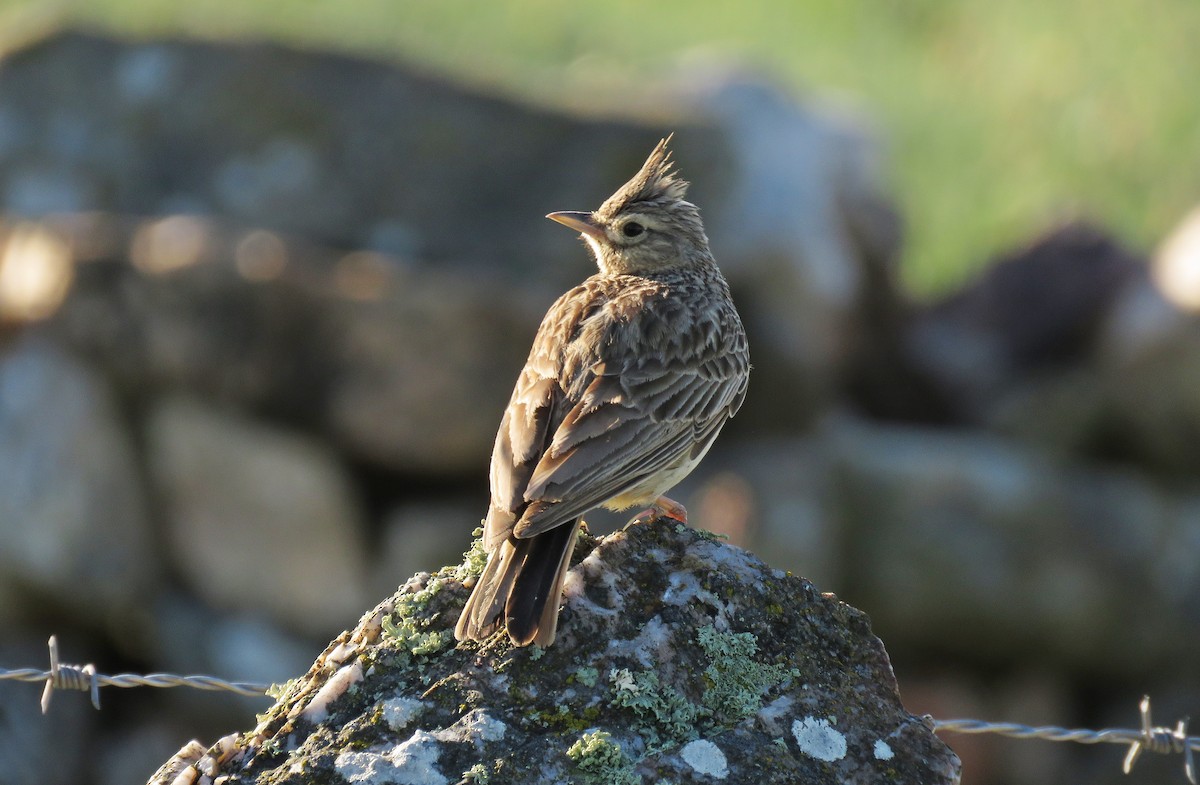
x,y
85,679
1152,738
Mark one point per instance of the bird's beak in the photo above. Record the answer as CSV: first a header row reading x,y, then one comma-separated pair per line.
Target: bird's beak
x,y
580,222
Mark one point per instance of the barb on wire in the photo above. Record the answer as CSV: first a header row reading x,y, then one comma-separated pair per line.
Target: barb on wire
x,y
1150,737
84,678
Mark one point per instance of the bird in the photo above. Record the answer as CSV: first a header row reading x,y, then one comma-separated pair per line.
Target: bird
x,y
631,376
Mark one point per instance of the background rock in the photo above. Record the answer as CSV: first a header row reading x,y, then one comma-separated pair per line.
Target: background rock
x,y
1041,307
257,518
72,513
409,165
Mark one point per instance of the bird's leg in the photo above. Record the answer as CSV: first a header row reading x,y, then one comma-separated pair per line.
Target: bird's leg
x,y
662,508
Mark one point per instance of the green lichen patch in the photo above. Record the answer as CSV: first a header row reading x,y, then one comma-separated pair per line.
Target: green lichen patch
x,y
588,677
600,761
666,717
408,627
474,560
735,680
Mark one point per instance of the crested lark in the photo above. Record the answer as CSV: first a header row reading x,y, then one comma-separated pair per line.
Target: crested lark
x,y
630,378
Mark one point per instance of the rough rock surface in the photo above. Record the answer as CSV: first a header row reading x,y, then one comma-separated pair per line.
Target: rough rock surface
x,y
680,659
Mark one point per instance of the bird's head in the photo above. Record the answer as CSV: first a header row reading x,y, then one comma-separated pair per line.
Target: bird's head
x,y
646,226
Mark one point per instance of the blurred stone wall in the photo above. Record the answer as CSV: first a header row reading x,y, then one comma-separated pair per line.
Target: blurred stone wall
x,y
260,311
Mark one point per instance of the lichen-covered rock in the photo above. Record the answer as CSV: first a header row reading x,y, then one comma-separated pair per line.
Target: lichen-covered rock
x,y
680,659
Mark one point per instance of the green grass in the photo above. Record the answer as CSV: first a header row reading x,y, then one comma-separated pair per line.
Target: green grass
x,y
999,117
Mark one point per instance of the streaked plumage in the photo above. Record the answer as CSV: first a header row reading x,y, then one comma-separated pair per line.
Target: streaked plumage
x,y
630,378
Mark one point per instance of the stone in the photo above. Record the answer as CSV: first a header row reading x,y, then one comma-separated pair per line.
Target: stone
x,y
1038,309
73,518
257,518
422,376
985,548
1136,402
802,227
680,658
445,178
405,369
1176,265
969,543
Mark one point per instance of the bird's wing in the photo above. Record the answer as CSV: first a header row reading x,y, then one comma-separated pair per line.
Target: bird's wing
x,y
534,410
657,392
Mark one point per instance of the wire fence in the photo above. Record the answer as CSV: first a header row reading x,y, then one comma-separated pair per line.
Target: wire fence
x,y
1148,738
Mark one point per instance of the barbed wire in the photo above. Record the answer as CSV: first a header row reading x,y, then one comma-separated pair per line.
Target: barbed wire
x,y
1149,738
84,678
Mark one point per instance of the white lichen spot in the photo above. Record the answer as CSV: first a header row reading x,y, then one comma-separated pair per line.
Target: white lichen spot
x,y
398,712
622,680
818,739
705,758
475,726
414,762
318,708
883,751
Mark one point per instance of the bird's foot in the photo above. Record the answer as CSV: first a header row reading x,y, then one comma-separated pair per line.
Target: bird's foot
x,y
662,508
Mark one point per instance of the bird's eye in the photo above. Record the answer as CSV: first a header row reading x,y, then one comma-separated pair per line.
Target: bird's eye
x,y
632,229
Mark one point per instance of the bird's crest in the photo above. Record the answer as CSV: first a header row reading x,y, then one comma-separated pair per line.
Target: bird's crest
x,y
656,181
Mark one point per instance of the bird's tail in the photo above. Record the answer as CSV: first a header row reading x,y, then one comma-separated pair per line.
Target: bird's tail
x,y
521,587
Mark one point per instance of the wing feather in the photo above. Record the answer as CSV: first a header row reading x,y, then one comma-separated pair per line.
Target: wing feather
x,y
627,396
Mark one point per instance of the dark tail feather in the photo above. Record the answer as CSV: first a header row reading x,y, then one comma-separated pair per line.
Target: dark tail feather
x,y
531,613
481,615
520,585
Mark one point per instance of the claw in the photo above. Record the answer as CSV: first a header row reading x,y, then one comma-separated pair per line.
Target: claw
x,y
662,508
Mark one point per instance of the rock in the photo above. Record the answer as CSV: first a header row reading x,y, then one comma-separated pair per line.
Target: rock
x,y
1035,310
407,369
801,227
1137,402
1118,386
257,518
73,518
1141,402
680,658
983,548
1176,265
968,544
422,377
448,179
406,163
